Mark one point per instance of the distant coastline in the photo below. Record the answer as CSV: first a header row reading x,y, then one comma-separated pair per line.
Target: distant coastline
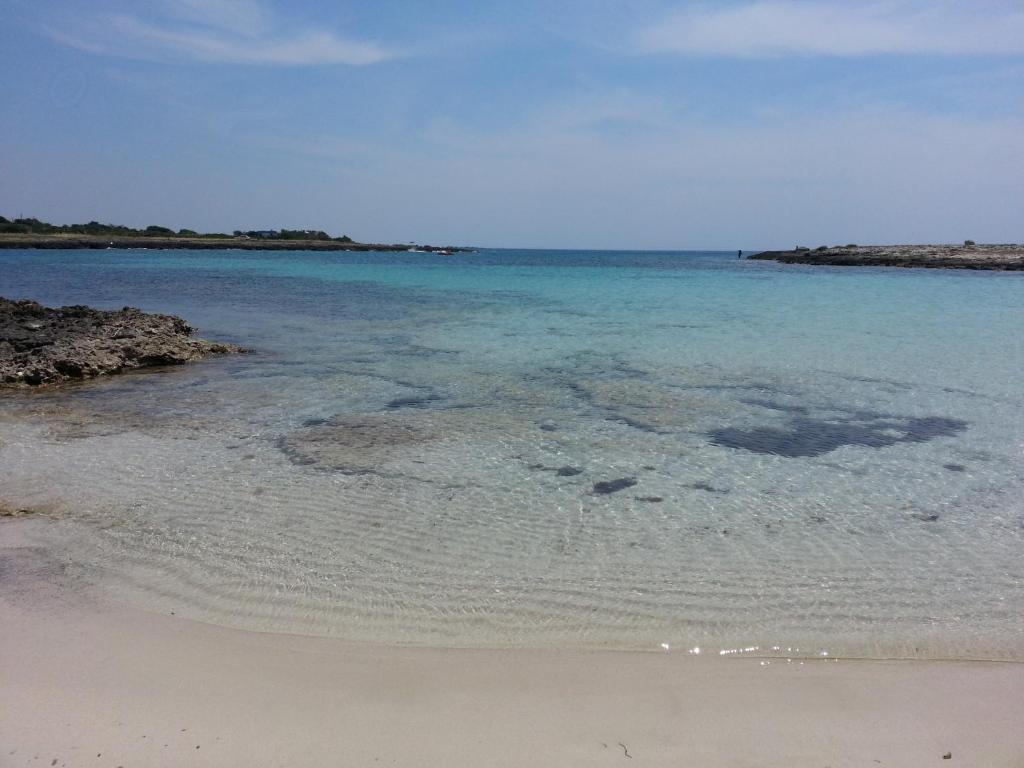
x,y
26,232
967,256
97,242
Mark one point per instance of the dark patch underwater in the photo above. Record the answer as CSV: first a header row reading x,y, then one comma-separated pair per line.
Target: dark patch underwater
x,y
806,437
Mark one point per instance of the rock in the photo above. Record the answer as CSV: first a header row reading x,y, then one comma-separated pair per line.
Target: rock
x,y
7,510
40,345
414,401
366,443
805,436
998,257
568,471
605,487
702,486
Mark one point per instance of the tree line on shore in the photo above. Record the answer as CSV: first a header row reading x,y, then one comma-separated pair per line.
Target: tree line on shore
x,y
32,226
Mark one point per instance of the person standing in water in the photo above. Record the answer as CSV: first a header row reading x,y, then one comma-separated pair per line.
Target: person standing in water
x,y
739,254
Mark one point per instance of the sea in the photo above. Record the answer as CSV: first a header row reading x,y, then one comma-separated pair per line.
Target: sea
x,y
668,451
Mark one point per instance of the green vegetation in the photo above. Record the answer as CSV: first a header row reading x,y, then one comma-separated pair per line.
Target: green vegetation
x,y
291,234
31,226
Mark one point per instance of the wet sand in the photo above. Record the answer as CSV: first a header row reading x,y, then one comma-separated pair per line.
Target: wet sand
x,y
86,682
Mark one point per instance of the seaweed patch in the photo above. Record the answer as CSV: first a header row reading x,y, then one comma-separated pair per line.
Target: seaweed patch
x,y
805,436
707,487
605,487
414,401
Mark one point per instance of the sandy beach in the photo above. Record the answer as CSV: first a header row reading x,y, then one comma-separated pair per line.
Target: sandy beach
x,y
509,385
86,682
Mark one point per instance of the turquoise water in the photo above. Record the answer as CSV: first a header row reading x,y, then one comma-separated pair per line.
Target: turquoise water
x,y
547,448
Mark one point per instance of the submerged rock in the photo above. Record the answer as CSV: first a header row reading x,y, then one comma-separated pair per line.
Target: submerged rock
x,y
605,487
414,401
702,486
389,441
808,437
40,345
358,443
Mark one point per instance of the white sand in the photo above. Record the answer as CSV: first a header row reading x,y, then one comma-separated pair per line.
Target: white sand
x,y
86,683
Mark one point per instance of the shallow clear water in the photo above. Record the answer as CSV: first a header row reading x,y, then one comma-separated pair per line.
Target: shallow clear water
x,y
424,449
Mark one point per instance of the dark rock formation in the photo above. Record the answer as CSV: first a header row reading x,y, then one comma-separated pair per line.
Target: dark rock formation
x,y
702,486
40,345
968,256
805,436
414,401
605,487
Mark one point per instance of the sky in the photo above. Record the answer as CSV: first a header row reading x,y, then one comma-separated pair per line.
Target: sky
x,y
571,124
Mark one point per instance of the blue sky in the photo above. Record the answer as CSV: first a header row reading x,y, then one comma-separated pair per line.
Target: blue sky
x,y
645,124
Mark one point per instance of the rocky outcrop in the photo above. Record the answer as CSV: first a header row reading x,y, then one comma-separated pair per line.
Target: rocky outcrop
x,y
967,256
40,345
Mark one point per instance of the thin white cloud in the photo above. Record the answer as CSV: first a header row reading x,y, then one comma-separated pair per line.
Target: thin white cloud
x,y
868,173
239,16
218,31
777,28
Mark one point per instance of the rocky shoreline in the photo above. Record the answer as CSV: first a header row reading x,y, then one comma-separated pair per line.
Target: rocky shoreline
x,y
40,345
967,256
100,242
